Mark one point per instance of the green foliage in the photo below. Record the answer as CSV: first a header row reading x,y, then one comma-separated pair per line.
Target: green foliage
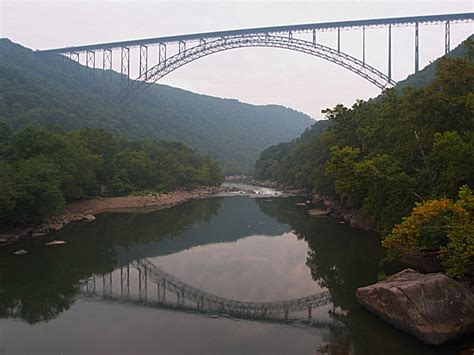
x,y
425,76
441,225
41,169
41,91
31,190
381,156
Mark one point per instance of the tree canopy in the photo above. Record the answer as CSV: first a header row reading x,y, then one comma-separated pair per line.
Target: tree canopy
x,y
384,155
41,169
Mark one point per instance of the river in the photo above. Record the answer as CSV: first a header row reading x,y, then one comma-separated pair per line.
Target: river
x,y
199,278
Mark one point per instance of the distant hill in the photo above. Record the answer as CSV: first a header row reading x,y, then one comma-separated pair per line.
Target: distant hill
x,y
426,75
45,90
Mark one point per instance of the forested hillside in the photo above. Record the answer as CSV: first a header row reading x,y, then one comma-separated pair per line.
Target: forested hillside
x,y
427,74
43,90
41,169
384,156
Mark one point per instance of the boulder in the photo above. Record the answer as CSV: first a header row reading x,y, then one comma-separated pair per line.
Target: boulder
x,y
433,307
37,234
89,217
55,242
317,212
20,252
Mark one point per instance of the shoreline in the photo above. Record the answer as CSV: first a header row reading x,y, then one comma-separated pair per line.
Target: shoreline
x,y
86,210
331,206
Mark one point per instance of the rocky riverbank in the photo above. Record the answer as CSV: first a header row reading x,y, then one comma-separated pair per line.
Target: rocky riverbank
x,y
336,209
86,210
331,207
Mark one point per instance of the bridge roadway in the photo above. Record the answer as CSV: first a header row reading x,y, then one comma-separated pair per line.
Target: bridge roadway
x,y
274,30
204,302
191,47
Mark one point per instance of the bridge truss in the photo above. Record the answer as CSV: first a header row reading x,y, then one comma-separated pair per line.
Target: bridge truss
x,y
188,48
189,298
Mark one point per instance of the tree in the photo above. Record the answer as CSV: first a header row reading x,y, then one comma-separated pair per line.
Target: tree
x,y
442,225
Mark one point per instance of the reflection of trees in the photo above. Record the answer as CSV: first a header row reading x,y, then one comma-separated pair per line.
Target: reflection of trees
x,y
342,259
43,284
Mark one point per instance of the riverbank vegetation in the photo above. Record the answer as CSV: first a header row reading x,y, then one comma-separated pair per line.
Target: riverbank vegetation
x,y
384,155
41,169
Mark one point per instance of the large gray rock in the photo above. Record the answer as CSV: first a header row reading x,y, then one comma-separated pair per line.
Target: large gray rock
x,y
433,307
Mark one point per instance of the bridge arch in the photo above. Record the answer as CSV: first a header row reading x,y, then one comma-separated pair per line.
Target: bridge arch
x,y
205,48
197,299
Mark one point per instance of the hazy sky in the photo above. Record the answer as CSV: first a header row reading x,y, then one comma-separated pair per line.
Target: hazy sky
x,y
254,75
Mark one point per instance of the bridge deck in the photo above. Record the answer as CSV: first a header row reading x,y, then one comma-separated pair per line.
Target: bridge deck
x,y
322,26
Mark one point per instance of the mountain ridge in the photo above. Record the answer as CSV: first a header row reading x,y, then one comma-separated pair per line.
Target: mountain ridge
x,y
42,90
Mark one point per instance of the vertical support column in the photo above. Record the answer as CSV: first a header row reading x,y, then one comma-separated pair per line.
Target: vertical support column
x,y
107,284
338,40
90,59
146,283
389,52
74,56
110,283
447,37
161,53
181,47
164,291
309,313
125,65
290,34
107,65
107,59
90,63
125,281
143,62
363,45
417,48
142,283
314,37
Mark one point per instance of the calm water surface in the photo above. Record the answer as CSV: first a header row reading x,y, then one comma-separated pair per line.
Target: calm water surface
x,y
88,297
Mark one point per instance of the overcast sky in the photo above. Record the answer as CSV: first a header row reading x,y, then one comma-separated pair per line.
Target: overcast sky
x,y
254,75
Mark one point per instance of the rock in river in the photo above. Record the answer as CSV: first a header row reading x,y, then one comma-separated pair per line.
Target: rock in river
x,y
433,307
56,242
89,217
317,212
20,252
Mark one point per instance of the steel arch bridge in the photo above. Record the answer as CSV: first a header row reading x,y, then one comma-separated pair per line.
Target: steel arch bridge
x,y
190,47
203,49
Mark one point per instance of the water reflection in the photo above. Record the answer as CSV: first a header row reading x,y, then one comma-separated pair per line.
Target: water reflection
x,y
251,250
43,284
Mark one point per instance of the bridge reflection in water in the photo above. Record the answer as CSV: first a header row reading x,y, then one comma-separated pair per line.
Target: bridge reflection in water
x,y
170,292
